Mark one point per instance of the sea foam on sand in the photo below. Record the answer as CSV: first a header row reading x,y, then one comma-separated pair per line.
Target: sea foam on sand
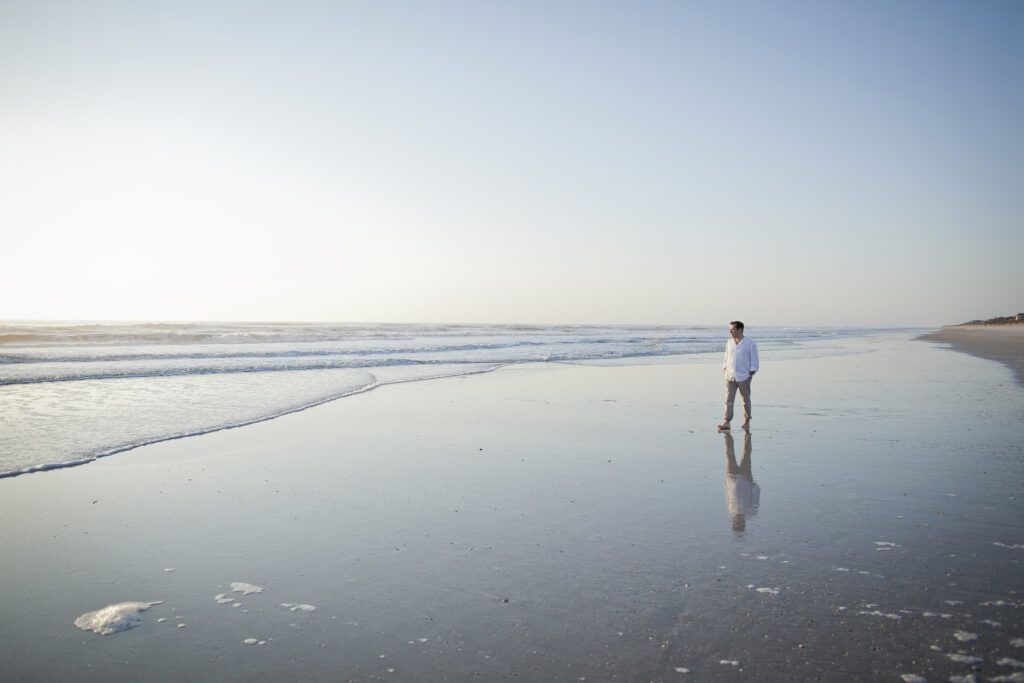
x,y
297,607
114,618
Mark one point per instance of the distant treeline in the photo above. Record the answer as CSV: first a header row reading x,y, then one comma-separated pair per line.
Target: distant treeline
x,y
1005,320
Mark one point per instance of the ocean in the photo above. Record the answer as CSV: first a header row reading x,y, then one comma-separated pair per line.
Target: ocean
x,y
74,392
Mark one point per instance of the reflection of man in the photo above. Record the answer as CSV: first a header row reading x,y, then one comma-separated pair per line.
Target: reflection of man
x,y
739,365
742,495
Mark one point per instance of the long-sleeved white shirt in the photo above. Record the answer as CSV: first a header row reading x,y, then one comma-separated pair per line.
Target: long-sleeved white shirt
x,y
740,359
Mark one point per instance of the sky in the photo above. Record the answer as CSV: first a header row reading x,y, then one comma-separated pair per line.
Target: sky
x,y
832,163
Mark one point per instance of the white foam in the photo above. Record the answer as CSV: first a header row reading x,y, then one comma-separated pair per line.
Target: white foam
x,y
770,591
245,588
886,543
169,569
730,662
965,659
969,678
298,607
929,614
114,618
992,623
223,599
1007,661
877,613
964,636
953,603
181,625
1016,677
914,678
682,670
1012,546
842,569
1017,642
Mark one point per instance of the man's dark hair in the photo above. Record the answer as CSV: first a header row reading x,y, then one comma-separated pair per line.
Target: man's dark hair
x,y
737,323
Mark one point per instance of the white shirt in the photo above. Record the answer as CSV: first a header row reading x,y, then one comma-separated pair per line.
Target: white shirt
x,y
740,359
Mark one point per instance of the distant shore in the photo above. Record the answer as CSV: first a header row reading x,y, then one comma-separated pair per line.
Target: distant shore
x,y
1002,342
1000,321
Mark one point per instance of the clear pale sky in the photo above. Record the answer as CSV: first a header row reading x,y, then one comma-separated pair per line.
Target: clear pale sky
x,y
632,162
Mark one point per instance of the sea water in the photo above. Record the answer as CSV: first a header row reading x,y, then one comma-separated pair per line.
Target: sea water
x,y
73,392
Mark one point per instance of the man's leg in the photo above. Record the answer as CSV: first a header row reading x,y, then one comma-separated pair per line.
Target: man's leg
x,y
730,398
744,388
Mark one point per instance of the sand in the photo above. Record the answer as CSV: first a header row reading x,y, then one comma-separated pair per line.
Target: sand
x,y
549,522
1003,343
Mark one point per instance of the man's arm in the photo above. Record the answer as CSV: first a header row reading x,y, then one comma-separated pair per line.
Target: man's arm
x,y
754,363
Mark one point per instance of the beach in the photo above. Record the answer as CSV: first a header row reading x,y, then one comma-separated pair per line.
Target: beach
x,y
551,521
1003,343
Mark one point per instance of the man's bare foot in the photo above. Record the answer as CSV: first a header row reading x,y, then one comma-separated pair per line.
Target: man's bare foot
x,y
746,425
724,427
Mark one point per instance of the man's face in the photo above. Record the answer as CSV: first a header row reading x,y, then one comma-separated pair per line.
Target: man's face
x,y
735,332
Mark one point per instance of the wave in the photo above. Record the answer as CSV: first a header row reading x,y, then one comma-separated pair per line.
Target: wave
x,y
185,352
121,448
144,334
178,333
97,371
143,350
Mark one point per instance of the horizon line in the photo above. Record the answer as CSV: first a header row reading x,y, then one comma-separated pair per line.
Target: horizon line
x,y
185,321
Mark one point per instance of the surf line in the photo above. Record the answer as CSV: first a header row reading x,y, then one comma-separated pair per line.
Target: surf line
x,y
242,423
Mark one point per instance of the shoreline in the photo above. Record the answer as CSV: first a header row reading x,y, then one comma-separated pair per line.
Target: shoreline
x,y
1001,343
47,467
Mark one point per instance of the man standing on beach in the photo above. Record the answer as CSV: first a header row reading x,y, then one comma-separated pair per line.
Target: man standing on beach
x,y
740,365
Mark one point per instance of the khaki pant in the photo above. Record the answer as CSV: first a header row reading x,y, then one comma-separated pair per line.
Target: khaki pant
x,y
730,397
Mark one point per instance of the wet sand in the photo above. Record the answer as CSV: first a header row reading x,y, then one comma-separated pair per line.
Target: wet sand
x,y
550,522
1003,343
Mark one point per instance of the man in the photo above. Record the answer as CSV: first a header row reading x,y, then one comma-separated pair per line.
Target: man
x,y
740,365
